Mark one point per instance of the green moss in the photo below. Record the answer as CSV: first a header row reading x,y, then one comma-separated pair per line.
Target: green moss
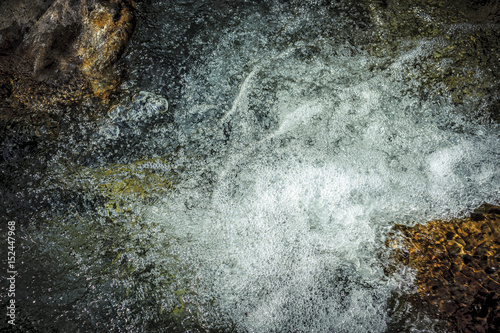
x,y
112,248
120,187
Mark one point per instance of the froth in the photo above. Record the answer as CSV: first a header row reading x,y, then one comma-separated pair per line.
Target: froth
x,y
319,159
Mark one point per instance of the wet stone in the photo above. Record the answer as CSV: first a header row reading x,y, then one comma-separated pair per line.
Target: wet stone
x,y
457,268
58,64
62,53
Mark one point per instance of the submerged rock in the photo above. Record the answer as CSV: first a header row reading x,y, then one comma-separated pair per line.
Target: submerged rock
x,y
457,264
443,48
124,185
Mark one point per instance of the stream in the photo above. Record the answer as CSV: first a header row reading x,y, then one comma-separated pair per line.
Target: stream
x,y
277,154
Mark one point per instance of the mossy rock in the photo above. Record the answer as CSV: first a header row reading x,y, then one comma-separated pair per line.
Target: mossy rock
x,y
120,187
110,254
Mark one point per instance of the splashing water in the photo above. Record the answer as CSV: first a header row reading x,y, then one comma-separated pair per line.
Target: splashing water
x,y
311,163
294,153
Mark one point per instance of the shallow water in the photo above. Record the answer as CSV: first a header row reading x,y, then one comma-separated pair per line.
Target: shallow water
x,y
292,157
320,158
311,161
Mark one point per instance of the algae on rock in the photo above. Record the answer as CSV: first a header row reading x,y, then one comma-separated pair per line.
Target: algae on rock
x,y
113,259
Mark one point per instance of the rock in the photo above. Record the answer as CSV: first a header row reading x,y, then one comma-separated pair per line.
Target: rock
x,y
60,52
457,264
119,187
57,57
106,32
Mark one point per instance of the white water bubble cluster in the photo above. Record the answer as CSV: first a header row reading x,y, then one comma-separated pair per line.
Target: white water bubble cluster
x,y
144,108
318,159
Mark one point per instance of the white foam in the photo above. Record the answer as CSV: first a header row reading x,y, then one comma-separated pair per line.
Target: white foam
x,y
321,158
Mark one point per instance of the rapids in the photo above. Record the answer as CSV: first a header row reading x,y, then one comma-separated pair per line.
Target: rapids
x,y
289,152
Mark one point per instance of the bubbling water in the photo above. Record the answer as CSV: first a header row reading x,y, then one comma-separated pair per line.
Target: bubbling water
x,y
314,161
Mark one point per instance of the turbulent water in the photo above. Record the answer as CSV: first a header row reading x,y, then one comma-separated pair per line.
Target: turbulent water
x,y
305,167
294,158
319,158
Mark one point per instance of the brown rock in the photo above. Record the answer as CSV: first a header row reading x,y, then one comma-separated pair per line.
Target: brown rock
x,y
68,54
107,30
463,285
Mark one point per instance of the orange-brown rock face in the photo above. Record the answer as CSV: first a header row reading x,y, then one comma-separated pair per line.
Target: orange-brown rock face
x,y
106,32
69,54
457,264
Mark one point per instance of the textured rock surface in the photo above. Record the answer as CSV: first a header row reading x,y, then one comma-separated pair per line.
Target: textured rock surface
x,y
124,186
106,31
457,264
58,61
59,52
